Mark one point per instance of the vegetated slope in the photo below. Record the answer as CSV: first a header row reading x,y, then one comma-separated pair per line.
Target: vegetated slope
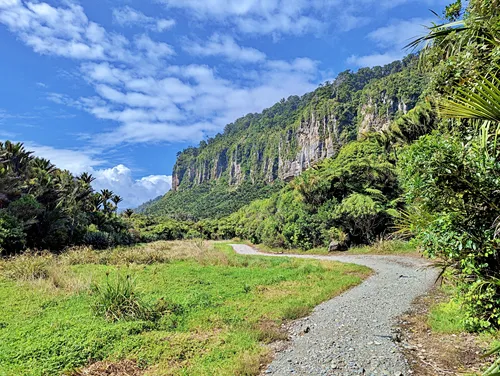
x,y
258,152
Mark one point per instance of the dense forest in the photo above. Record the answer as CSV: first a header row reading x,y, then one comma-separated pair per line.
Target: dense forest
x,y
408,150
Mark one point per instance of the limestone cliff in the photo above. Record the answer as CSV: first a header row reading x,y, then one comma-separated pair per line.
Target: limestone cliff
x,y
294,134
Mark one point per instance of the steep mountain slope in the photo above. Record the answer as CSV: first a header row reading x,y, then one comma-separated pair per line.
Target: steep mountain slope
x,y
258,152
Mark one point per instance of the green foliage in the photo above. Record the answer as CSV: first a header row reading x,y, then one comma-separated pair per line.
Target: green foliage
x,y
456,184
346,198
208,200
118,299
447,317
43,207
451,179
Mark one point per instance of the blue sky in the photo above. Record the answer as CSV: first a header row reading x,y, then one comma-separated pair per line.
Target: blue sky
x,y
118,87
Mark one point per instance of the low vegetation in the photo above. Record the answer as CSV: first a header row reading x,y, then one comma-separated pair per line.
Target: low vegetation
x,y
170,308
383,247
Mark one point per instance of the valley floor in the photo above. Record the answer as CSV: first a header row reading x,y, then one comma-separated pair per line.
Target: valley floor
x,y
219,309
354,333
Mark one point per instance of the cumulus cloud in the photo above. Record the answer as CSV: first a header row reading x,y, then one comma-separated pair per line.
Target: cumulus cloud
x,y
128,16
225,45
134,192
150,100
119,179
67,32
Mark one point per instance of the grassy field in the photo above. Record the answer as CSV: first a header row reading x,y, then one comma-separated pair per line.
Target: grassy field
x,y
194,308
387,247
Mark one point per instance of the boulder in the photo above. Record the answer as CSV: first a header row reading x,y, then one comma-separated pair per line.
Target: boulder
x,y
336,246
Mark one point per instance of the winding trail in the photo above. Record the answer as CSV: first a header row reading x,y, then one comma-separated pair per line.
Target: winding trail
x,y
353,334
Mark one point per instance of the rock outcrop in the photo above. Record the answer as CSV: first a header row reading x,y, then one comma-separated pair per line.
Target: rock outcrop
x,y
297,133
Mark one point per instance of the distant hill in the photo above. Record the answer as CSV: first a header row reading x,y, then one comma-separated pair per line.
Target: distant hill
x,y
258,153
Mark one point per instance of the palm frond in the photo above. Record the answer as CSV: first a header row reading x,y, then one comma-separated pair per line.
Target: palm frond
x,y
480,102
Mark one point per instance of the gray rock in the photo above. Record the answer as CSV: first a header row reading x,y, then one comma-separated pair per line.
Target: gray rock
x,y
336,246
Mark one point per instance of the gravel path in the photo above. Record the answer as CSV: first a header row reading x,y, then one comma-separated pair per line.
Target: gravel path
x,y
353,334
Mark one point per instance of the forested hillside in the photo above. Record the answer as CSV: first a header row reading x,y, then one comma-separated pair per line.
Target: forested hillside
x,y
257,153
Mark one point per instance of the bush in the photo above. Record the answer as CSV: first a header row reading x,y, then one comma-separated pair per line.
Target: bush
x,y
456,185
98,239
12,236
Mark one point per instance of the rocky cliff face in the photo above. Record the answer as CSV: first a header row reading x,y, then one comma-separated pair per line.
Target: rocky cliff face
x,y
296,149
317,138
377,115
294,134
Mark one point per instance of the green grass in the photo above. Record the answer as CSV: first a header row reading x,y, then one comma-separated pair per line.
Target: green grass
x,y
388,247
447,317
232,305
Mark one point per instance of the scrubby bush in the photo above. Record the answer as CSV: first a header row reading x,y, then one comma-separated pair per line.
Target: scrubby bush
x,y
98,239
456,185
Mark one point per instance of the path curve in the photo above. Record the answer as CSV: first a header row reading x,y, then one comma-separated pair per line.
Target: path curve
x,y
353,334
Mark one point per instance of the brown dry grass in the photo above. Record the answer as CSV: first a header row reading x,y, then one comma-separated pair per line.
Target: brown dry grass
x,y
251,364
122,368
43,270
436,354
145,254
53,272
268,331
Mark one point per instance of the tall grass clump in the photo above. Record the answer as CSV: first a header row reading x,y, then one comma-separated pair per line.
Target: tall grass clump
x,y
27,267
118,299
43,270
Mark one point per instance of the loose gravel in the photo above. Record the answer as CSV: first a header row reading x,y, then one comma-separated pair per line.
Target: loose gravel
x,y
354,333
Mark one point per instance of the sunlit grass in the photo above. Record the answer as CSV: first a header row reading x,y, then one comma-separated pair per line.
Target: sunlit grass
x,y
385,247
231,306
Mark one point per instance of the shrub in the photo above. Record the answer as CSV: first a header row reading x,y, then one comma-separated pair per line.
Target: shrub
x,y
98,239
12,237
456,185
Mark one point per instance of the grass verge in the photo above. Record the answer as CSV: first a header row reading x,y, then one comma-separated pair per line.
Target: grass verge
x,y
231,306
386,247
435,340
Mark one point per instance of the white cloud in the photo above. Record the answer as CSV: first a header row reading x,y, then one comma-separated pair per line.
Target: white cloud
x,y
76,161
260,16
399,33
67,32
128,16
294,17
391,41
376,58
118,179
150,100
225,45
153,50
134,192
